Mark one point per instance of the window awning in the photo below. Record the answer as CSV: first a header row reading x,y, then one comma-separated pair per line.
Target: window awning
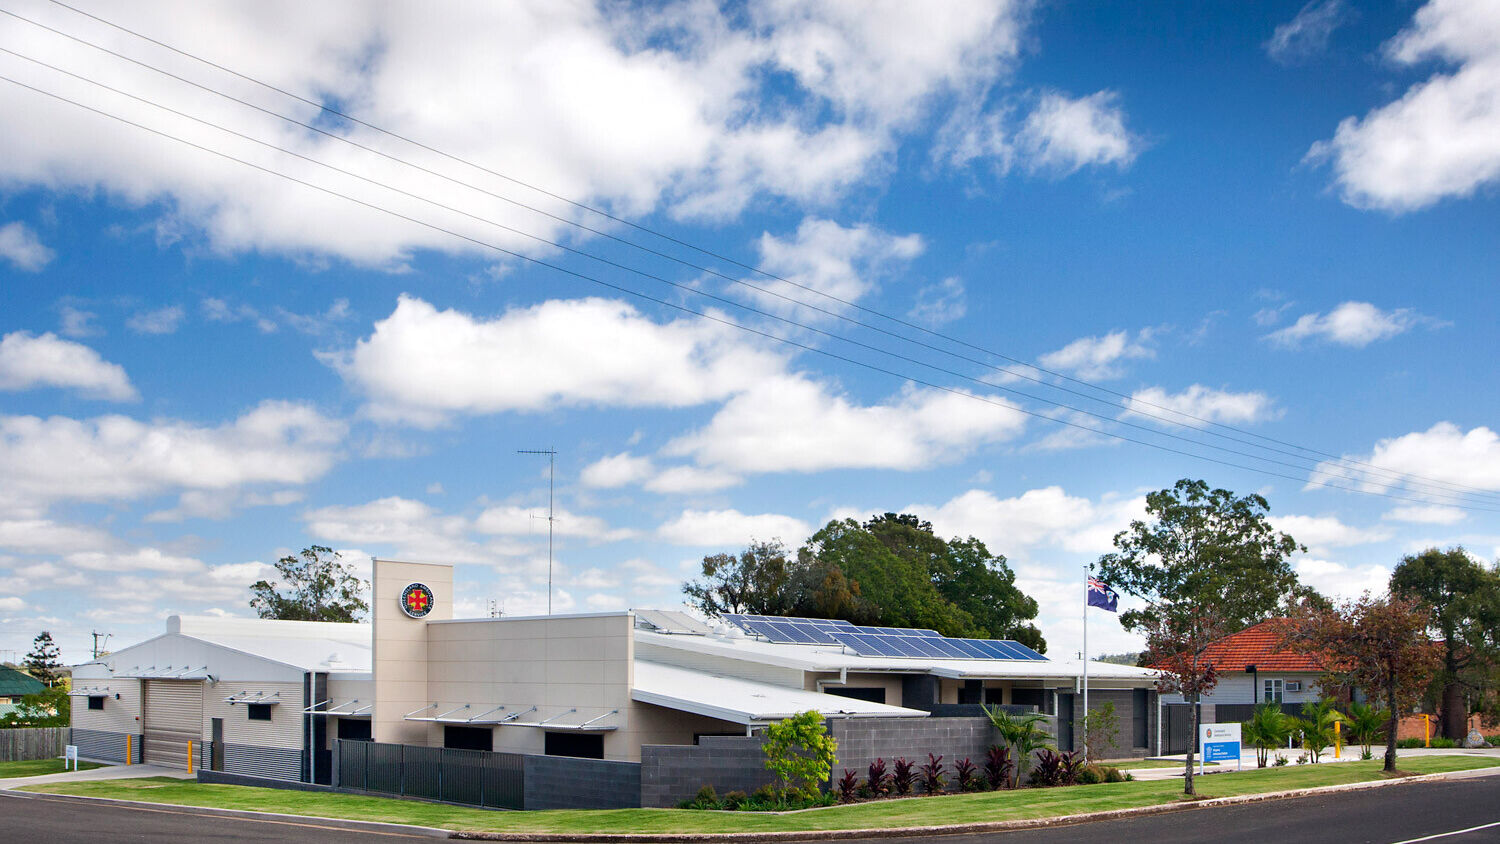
x,y
347,709
500,716
166,672
90,691
744,701
254,697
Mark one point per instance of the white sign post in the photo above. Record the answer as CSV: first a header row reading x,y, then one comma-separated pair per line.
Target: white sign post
x,y
70,754
1219,743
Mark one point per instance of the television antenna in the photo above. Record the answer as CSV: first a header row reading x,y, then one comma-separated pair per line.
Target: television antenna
x,y
551,518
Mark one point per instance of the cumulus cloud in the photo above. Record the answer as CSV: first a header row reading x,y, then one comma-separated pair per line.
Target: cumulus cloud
x,y
1100,358
1342,580
1441,139
691,479
116,457
401,525
512,520
792,423
1443,453
1204,403
160,321
615,471
28,361
705,110
421,365
44,536
1431,514
1063,135
731,528
941,303
22,248
1048,516
1306,35
1319,533
837,261
1356,324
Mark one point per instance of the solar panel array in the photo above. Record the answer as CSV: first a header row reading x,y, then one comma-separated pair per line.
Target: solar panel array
x,y
878,641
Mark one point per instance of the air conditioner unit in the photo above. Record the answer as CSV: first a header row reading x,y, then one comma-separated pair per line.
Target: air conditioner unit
x,y
1293,685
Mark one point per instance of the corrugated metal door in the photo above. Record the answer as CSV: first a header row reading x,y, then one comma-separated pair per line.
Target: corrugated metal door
x,y
174,717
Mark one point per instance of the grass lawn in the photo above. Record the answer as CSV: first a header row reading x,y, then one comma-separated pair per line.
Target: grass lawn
x,y
925,811
38,767
1138,764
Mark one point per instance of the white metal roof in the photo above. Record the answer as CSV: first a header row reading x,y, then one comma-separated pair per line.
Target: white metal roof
x,y
835,658
309,645
745,701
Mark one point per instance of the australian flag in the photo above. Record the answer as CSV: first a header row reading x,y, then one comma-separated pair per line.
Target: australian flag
x,y
1102,596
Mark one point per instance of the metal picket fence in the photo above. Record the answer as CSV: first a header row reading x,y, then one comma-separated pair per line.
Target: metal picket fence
x,y
470,777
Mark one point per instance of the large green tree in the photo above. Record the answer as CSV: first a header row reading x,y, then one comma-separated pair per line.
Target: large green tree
x,y
45,660
1204,546
318,586
1465,599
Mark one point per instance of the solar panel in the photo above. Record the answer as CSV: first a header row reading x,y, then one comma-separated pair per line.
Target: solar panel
x,y
789,629
867,640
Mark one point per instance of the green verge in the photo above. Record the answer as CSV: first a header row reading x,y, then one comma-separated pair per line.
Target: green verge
x,y
884,814
1154,763
39,767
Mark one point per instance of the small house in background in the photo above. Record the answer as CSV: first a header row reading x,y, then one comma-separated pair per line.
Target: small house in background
x,y
15,685
1253,669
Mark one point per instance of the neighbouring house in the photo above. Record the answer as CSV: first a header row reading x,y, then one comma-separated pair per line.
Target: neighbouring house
x,y
16,684
628,689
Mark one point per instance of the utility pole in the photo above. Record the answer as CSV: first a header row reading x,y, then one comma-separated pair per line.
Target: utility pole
x,y
99,647
551,474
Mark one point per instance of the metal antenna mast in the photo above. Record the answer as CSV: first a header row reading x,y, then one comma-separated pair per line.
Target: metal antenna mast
x,y
551,473
100,646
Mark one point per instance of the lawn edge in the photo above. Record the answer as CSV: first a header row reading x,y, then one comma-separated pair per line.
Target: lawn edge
x,y
788,835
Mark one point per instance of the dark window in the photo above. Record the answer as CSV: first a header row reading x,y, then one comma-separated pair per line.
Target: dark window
x,y
354,729
874,695
258,711
96,701
469,738
583,745
1029,697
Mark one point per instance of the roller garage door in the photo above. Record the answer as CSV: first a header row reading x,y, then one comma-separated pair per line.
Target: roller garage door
x,y
174,717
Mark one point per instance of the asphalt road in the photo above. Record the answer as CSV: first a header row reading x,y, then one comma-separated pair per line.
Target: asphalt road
x,y
1378,816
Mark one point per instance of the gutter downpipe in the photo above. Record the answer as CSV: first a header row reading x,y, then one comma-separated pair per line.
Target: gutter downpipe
x,y
842,681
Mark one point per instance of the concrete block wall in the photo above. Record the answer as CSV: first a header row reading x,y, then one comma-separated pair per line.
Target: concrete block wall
x,y
561,782
673,773
863,740
1124,701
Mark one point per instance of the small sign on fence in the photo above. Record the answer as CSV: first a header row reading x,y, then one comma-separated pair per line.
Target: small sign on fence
x,y
70,754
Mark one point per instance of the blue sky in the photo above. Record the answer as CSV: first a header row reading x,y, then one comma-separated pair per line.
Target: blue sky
x,y
1276,217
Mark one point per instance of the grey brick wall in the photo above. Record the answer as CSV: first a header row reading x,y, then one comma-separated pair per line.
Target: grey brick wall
x,y
563,782
863,740
1124,701
673,773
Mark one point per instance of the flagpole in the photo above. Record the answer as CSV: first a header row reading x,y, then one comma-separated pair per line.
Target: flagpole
x,y
1085,662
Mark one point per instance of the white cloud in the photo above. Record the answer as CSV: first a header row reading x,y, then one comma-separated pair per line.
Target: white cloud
x,y
28,361
1434,514
838,261
160,321
421,365
1063,135
1037,518
1441,139
1356,324
22,248
1342,580
704,110
1099,358
115,457
512,520
78,323
691,479
1306,35
1202,402
1319,533
941,303
221,504
141,559
44,536
794,424
13,605
732,528
615,471
1443,453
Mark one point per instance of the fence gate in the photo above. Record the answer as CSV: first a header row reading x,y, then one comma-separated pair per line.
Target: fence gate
x,y
472,777
173,717
1176,734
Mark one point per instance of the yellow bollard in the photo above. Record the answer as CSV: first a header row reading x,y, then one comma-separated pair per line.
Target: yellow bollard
x,y
190,757
128,737
1427,728
1338,739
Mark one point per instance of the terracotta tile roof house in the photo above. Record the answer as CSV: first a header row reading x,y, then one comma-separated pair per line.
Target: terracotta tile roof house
x,y
1253,668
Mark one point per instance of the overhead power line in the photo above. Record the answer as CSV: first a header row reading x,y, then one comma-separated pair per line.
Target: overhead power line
x,y
707,316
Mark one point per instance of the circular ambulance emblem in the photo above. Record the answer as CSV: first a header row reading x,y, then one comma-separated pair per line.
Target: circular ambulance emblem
x,y
416,600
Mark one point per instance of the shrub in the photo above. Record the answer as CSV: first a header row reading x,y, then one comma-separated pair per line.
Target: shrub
x,y
800,753
1437,741
1047,771
903,777
1072,764
968,775
1116,775
879,782
1280,760
1090,775
997,767
932,778
764,795
706,798
735,800
848,786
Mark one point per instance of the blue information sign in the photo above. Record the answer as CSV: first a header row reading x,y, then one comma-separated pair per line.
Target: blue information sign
x,y
1219,742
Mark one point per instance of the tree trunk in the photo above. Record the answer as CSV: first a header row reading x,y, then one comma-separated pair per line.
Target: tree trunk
x,y
1390,734
1187,777
1455,711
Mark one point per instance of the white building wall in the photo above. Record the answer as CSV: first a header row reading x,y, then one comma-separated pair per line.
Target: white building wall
x,y
1241,688
118,716
284,730
400,647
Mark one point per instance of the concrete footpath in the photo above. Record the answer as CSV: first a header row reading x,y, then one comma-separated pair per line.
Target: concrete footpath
x,y
1248,760
108,772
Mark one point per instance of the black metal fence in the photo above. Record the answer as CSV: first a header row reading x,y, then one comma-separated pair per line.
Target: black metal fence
x,y
471,777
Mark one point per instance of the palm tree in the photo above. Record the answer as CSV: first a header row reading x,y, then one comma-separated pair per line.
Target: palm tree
x,y
1366,723
1023,734
1267,729
1316,725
